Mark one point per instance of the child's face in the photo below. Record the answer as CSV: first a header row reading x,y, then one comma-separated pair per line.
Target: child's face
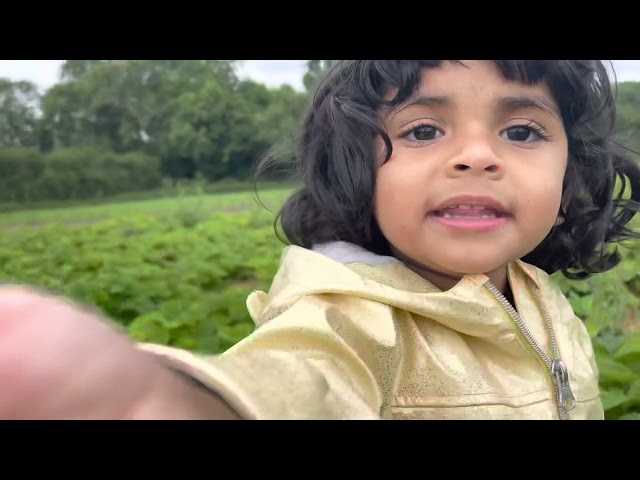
x,y
474,133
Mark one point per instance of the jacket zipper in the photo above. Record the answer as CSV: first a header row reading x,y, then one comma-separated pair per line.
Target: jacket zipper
x,y
558,370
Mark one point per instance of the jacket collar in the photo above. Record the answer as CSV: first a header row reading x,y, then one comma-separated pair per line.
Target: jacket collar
x,y
349,270
347,253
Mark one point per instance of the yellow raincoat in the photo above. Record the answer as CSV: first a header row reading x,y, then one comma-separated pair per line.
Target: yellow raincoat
x,y
346,334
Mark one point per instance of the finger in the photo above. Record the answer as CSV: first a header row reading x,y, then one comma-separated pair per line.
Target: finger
x,y
57,360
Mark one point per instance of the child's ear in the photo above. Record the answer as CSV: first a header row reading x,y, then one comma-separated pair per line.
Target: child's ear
x,y
564,205
567,197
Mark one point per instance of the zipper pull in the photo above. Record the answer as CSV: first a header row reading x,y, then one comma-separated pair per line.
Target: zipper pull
x,y
565,396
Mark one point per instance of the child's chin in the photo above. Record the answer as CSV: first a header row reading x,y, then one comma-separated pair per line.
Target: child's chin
x,y
484,266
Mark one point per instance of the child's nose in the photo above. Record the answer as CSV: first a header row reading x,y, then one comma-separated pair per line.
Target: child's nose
x,y
478,158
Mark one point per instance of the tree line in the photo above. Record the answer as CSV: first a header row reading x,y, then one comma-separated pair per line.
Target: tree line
x,y
110,126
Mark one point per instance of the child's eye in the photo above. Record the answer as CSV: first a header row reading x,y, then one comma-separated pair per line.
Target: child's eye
x,y
526,133
422,133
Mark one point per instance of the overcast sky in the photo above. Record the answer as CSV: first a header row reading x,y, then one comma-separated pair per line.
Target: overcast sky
x,y
44,73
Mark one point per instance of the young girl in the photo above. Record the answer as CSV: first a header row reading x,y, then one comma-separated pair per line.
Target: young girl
x,y
437,198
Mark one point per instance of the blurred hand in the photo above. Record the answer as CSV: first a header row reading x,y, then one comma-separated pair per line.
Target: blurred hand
x,y
62,361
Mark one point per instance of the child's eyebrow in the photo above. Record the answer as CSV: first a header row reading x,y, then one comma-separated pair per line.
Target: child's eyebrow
x,y
425,101
508,104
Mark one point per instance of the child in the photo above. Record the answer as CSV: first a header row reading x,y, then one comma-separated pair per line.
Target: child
x,y
437,198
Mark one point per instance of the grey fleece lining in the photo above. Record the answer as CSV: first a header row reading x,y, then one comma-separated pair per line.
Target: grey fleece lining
x,y
344,252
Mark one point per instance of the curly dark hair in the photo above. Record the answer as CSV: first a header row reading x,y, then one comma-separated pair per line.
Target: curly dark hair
x,y
336,160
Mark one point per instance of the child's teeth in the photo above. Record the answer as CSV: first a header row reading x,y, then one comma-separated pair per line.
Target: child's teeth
x,y
464,206
488,215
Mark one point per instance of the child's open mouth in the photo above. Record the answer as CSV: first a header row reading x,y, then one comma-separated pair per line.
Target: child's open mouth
x,y
470,217
468,211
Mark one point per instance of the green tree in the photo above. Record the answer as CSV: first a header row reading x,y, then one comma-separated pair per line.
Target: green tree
x,y
203,126
124,105
628,115
73,70
316,71
19,103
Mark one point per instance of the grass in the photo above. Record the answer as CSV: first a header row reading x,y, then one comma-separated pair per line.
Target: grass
x,y
160,208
